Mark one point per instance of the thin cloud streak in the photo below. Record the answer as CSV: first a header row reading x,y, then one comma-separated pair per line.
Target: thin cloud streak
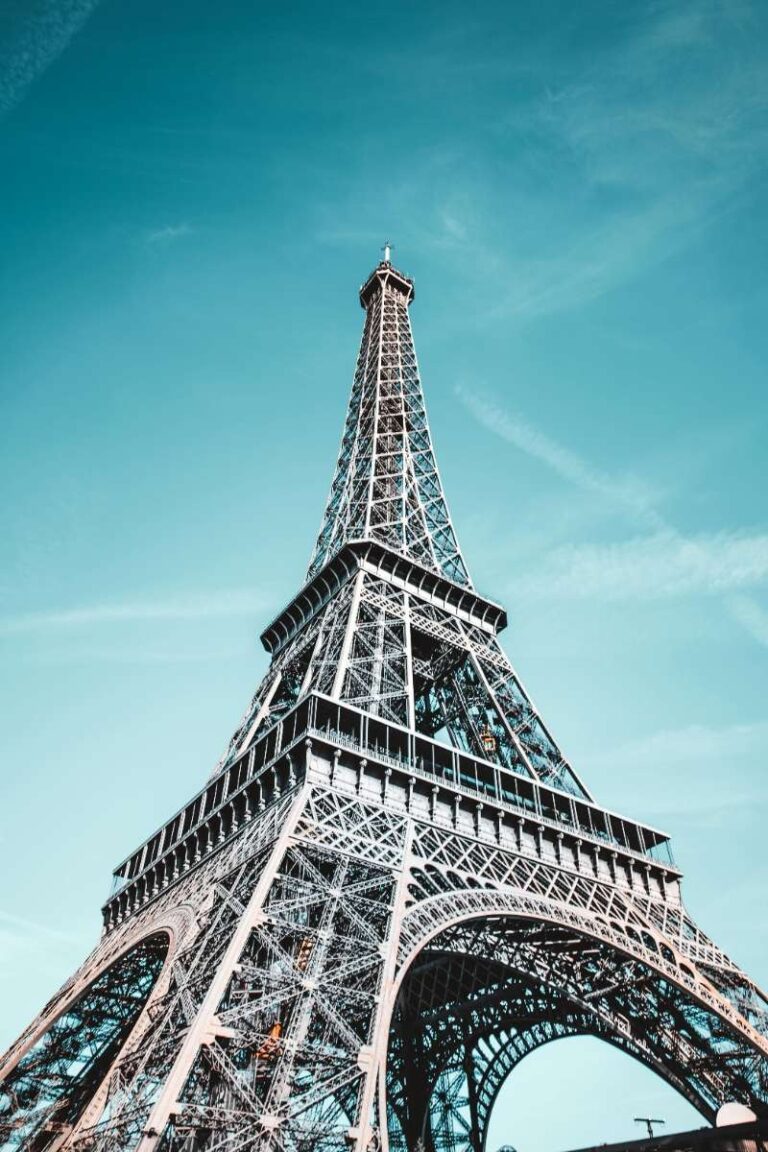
x,y
752,616
647,164
42,38
653,568
694,742
689,761
665,563
627,493
168,234
22,928
610,254
235,602
35,947
133,654
667,158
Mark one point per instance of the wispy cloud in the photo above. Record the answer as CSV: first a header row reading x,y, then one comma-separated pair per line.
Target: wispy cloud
x,y
654,567
607,255
168,233
599,157
23,928
191,650
751,615
454,227
690,763
28,946
653,161
232,602
694,742
43,35
662,563
626,492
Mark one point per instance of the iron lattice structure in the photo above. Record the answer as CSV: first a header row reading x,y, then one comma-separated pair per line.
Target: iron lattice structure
x,y
393,887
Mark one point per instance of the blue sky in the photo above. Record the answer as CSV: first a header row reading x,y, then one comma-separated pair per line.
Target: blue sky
x,y
191,194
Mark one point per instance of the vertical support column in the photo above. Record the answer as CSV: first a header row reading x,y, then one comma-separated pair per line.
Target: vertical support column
x,y
512,736
262,712
375,1058
477,1136
316,649
349,635
409,662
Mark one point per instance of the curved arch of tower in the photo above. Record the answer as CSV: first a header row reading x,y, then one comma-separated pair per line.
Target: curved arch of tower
x,y
393,887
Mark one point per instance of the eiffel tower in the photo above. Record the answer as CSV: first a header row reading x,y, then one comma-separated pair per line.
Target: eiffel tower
x,y
393,887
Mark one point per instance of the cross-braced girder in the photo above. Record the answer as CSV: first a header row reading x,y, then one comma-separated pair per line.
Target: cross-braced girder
x,y
399,656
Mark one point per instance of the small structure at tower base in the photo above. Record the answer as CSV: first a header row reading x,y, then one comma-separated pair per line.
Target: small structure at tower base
x,y
749,1137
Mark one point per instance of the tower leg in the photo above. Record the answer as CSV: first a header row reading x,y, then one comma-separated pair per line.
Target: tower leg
x,y
288,1035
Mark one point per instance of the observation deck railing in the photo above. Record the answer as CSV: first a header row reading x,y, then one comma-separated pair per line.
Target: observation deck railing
x,y
425,758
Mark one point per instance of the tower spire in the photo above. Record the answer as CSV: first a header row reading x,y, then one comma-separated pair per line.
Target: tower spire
x,y
386,486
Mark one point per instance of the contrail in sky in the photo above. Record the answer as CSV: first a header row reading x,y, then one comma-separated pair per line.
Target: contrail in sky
x,y
665,562
39,40
227,602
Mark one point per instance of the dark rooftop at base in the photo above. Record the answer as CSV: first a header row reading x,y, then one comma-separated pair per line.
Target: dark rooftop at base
x,y
751,1137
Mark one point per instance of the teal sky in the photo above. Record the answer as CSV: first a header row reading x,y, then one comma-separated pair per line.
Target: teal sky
x,y
191,194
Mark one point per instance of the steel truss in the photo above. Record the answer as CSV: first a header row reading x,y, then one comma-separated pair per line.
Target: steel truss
x,y
393,888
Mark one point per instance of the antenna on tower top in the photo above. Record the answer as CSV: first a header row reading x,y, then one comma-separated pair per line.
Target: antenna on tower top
x,y
387,250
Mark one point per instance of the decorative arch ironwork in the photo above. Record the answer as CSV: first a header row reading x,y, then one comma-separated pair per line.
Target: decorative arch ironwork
x,y
481,991
45,1094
